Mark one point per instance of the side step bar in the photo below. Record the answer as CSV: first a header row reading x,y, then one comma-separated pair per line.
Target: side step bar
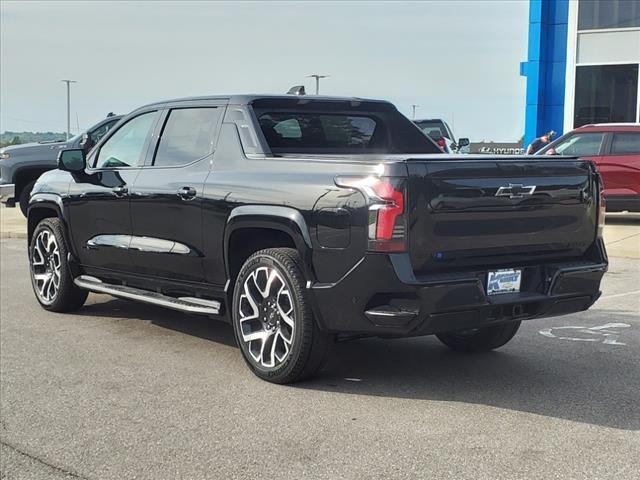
x,y
183,304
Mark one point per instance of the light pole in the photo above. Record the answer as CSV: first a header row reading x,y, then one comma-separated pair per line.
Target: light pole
x,y
317,77
69,82
413,108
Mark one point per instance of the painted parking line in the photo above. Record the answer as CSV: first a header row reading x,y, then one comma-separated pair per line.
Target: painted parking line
x,y
606,334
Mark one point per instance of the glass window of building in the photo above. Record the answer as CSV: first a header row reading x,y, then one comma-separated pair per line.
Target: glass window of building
x,y
600,14
606,93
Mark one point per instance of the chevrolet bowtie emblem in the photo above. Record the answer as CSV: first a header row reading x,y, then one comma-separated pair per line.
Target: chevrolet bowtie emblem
x,y
515,190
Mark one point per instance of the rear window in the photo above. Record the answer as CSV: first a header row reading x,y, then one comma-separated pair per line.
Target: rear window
x,y
434,129
625,144
319,131
336,127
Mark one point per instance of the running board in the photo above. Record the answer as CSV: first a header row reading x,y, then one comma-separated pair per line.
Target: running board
x,y
184,304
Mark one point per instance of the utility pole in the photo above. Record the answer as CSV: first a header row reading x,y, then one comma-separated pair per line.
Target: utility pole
x,y
413,109
317,77
69,82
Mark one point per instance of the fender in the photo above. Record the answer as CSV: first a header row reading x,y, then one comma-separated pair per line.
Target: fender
x,y
285,219
50,201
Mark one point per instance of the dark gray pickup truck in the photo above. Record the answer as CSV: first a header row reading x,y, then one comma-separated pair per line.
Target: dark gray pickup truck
x,y
21,165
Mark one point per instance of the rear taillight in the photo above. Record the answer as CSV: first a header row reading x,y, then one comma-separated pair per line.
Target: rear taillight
x,y
387,229
602,207
442,144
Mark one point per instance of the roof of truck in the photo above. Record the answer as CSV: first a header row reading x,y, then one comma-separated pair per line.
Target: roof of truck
x,y
243,99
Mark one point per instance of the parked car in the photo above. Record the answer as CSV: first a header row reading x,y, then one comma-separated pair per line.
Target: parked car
x,y
615,149
303,219
21,165
441,133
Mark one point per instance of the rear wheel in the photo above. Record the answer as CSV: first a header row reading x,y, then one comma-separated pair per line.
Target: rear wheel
x,y
272,320
25,194
479,339
50,275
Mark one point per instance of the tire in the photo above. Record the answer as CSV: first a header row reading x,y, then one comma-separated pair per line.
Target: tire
x,y
23,199
479,339
50,274
266,313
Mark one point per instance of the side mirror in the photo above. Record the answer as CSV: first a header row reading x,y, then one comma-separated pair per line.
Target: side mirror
x,y
463,142
72,160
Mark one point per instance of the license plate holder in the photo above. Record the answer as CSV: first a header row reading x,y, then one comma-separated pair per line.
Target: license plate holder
x,y
504,281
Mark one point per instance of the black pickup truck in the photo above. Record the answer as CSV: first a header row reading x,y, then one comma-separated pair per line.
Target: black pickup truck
x,y
305,219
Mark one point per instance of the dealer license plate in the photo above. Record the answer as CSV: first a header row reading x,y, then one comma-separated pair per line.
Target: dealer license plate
x,y
503,281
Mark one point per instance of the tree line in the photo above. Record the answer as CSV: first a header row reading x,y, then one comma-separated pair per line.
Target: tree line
x,y
17,138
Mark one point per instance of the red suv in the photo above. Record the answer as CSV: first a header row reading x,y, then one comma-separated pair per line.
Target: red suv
x,y
615,149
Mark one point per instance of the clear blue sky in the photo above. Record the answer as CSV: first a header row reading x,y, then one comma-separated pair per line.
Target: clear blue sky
x,y
456,59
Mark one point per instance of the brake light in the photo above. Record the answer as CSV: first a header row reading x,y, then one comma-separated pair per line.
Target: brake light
x,y
387,226
602,207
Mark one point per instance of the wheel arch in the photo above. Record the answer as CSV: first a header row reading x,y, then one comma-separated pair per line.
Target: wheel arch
x,y
47,205
27,174
252,228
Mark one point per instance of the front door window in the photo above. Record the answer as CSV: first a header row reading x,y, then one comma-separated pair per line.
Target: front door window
x,y
581,145
127,146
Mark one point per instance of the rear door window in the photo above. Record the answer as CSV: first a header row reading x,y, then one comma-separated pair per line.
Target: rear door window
x,y
625,144
187,135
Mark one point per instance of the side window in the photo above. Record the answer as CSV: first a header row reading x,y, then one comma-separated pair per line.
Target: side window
x,y
187,135
581,144
97,134
126,147
625,144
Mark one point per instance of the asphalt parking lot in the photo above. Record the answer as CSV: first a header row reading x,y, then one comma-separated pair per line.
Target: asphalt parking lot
x,y
121,390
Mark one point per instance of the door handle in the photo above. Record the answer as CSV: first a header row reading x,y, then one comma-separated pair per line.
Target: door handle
x,y
120,191
187,193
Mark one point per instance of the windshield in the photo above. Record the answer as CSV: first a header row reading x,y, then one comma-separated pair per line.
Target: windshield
x,y
575,144
323,127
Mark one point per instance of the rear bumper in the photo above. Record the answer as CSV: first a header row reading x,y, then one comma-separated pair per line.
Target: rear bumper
x,y
7,191
620,203
381,296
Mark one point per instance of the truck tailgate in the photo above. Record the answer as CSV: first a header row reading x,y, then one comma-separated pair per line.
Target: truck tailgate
x,y
494,212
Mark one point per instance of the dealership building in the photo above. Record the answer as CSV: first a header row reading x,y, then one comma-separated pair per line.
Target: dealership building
x,y
582,66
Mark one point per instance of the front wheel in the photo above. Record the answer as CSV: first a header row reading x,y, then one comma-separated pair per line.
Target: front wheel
x,y
272,320
479,339
50,274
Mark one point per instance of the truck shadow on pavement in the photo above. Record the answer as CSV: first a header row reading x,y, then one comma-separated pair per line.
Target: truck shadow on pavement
x,y
583,382
578,381
196,325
